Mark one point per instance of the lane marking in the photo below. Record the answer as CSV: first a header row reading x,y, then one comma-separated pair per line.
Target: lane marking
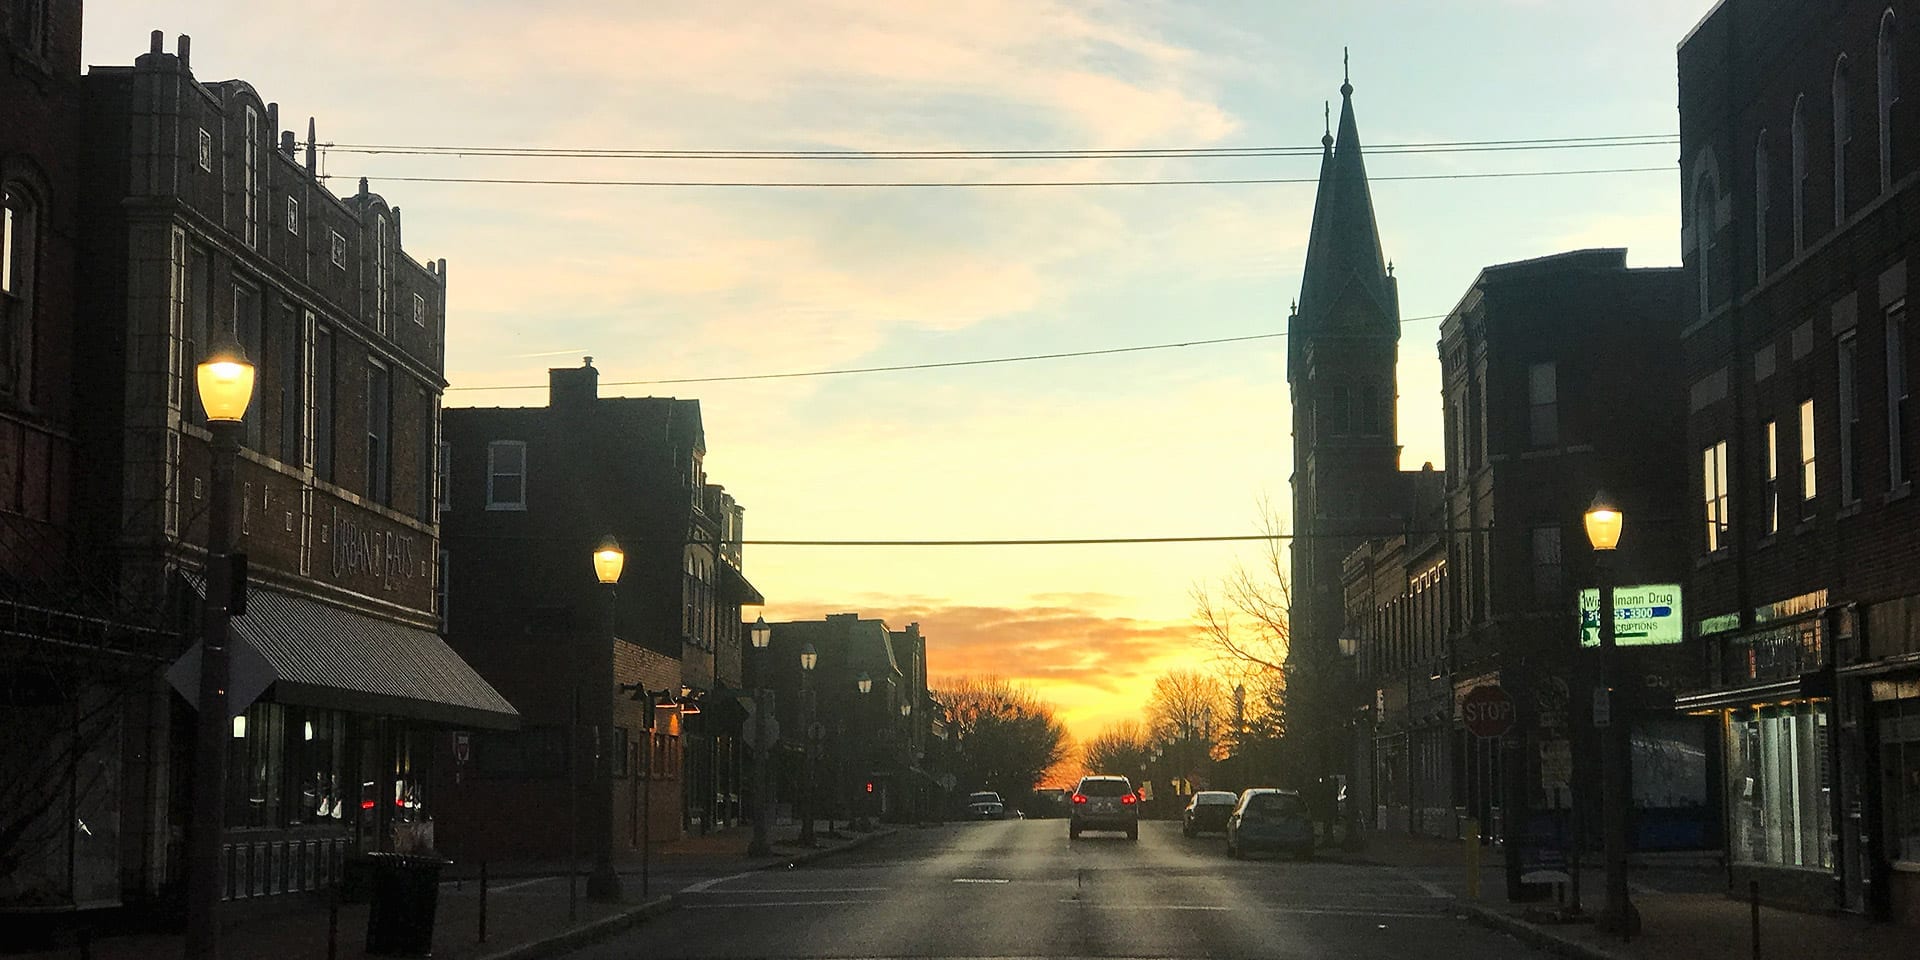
x,y
761,891
979,880
523,883
1292,911
774,903
706,885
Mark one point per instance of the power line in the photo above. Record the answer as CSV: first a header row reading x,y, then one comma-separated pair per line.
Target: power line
x,y
920,366
843,184
610,153
1024,542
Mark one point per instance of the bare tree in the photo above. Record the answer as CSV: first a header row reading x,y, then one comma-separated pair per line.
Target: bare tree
x,y
1244,618
1009,738
1122,748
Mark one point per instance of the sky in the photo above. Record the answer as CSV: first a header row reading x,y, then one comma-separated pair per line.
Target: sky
x,y
678,282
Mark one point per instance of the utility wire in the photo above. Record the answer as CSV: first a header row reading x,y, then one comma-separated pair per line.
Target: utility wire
x,y
1027,542
919,366
830,184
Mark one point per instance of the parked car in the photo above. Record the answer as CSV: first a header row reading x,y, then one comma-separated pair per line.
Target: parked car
x,y
1269,819
1104,803
985,805
1208,812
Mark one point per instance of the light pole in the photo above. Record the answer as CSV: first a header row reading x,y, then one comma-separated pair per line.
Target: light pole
x,y
225,381
761,633
1604,522
908,793
857,820
604,882
808,660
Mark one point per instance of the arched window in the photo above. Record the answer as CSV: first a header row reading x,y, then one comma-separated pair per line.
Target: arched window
x,y
1799,135
1338,410
1888,94
1842,134
19,223
1706,197
1760,201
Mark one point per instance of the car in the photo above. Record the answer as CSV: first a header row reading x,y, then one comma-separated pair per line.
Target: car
x,y
1270,819
1104,803
1050,803
1207,812
985,805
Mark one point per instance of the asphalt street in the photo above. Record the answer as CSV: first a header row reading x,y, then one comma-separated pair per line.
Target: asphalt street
x,y
1022,889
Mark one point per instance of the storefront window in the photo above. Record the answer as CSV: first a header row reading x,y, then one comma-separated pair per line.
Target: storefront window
x,y
256,766
287,767
1781,780
1900,766
317,748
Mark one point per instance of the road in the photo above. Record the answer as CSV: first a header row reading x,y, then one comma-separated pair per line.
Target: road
x,y
1021,889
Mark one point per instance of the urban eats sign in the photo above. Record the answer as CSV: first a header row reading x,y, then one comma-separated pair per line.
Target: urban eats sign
x,y
1643,616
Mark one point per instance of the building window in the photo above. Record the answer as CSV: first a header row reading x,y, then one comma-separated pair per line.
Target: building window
x,y
379,433
1888,94
248,326
506,475
441,591
443,477
293,216
1781,784
1773,477
1808,487
1713,482
427,499
1760,202
382,256
250,175
1849,376
338,244
616,753
1546,564
290,335
176,317
18,232
1706,195
1898,470
1543,405
323,402
1799,135
206,151
199,322
1842,135
419,310
1372,412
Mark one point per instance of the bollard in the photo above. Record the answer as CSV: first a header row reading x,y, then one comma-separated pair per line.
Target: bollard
x,y
1470,830
483,901
1753,901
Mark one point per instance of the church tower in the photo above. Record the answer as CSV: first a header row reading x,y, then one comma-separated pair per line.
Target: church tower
x,y
1342,346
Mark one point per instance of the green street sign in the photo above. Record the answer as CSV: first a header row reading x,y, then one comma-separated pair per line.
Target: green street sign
x,y
1645,615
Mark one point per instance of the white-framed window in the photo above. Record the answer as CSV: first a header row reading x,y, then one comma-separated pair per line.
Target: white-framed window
x,y
1772,488
338,246
324,407
1899,472
1706,235
382,256
1713,485
1842,135
249,325
19,236
206,150
1799,138
293,216
507,475
1761,186
1543,405
250,178
379,433
1887,93
177,324
1809,480
443,477
440,590
1848,361
419,310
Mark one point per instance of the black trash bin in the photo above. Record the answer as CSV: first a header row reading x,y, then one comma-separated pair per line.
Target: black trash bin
x,y
406,892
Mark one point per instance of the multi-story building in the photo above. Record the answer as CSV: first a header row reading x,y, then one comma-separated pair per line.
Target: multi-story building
x,y
1800,154
200,220
531,492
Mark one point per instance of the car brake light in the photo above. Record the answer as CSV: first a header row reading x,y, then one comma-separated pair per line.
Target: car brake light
x,y
1128,799
1079,798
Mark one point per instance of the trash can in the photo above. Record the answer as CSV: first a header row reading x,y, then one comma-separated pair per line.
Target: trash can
x,y
406,892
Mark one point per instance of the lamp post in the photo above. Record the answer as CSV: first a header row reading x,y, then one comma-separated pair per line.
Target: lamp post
x,y
858,819
1604,522
604,882
761,633
808,660
225,382
908,794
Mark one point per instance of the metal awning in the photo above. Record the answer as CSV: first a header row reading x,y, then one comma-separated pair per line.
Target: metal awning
x,y
1737,697
332,658
736,586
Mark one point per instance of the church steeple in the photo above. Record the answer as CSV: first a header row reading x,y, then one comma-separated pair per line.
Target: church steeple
x,y
1344,258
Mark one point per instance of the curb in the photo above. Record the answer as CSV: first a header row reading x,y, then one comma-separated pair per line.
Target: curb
x,y
608,926
1532,935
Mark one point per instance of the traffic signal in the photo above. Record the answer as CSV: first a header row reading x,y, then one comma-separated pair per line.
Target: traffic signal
x,y
869,786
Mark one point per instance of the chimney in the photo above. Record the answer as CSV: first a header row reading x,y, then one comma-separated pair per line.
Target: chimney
x,y
186,52
573,388
273,116
312,167
286,143
157,42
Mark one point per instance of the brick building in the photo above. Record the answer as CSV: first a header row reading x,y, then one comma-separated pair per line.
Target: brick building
x,y
531,491
1800,153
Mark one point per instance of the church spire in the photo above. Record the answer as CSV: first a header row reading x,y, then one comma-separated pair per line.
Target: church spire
x,y
1344,258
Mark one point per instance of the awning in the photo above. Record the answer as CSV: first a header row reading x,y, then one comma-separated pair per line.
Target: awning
x,y
324,656
1735,698
734,585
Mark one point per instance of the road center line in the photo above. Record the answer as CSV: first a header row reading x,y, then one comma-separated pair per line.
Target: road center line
x,y
761,891
773,903
979,880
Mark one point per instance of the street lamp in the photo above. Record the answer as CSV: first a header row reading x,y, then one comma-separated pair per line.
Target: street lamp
x,y
761,633
808,660
604,882
865,684
225,381
1604,522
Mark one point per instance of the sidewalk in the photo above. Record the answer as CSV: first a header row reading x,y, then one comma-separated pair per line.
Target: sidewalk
x,y
1684,911
526,915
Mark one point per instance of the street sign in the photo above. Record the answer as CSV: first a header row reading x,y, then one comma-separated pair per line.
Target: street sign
x,y
1556,766
1487,711
750,733
248,675
1643,616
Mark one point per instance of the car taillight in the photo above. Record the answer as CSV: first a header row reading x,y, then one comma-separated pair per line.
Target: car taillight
x,y
1079,798
1128,799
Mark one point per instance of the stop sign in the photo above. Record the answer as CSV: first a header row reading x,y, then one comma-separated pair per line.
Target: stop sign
x,y
1487,711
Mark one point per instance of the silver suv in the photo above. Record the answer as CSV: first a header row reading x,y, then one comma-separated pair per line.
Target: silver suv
x,y
1104,803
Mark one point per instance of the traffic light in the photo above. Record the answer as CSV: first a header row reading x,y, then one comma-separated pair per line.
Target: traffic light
x,y
869,786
